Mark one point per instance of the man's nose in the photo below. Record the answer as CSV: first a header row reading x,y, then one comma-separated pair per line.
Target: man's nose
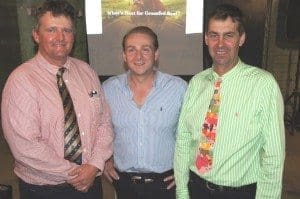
x,y
60,35
139,54
221,42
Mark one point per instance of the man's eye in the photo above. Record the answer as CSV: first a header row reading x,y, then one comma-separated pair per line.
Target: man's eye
x,y
51,30
130,50
146,51
213,36
68,30
229,36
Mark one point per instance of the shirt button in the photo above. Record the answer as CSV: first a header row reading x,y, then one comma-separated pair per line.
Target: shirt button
x,y
78,115
82,133
84,150
66,81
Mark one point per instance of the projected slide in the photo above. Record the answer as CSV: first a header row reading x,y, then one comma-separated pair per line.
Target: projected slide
x,y
180,54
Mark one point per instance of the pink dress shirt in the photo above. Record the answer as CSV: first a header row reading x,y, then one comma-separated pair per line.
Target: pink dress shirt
x,y
33,119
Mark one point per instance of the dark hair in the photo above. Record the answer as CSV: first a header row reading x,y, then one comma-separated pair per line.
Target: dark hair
x,y
56,8
143,30
223,11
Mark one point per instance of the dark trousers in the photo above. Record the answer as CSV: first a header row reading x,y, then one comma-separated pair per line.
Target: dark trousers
x,y
5,191
143,186
199,187
62,191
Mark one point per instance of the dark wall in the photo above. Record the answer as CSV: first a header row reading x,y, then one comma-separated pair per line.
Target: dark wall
x,y
10,55
255,12
288,24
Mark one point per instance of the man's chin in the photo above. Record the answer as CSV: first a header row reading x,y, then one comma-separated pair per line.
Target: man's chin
x,y
61,55
220,61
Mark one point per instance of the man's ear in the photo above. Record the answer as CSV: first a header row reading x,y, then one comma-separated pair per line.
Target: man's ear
x,y
124,56
242,39
156,55
205,39
35,35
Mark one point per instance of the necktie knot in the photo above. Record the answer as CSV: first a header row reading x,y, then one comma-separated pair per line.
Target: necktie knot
x,y
59,76
60,72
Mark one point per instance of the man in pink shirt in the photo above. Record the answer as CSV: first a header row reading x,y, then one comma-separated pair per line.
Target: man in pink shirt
x,y
34,115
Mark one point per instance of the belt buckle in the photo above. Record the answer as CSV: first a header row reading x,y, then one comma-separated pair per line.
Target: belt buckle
x,y
213,188
148,180
136,179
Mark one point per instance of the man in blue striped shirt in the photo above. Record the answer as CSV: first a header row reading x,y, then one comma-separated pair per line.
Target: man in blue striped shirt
x,y
145,105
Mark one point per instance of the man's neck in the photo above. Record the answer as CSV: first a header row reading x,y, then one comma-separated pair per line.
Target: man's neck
x,y
141,87
56,62
141,81
222,69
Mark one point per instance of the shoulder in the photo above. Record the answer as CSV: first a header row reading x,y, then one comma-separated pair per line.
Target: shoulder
x,y
78,62
20,82
81,65
201,77
258,75
21,74
259,79
114,81
167,80
83,68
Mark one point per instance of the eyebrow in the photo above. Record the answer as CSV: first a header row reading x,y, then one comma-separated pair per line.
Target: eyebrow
x,y
132,46
213,32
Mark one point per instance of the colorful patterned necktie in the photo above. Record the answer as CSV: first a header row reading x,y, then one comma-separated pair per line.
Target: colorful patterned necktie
x,y
204,156
72,149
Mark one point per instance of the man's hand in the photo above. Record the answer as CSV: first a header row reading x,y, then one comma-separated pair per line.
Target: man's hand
x,y
170,180
109,170
83,177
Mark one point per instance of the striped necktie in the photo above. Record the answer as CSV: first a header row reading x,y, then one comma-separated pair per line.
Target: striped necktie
x,y
204,156
72,149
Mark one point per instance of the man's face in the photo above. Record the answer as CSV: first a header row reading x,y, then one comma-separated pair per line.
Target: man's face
x,y
223,41
55,38
139,54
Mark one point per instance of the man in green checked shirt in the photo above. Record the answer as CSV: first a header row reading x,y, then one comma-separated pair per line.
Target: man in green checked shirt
x,y
230,142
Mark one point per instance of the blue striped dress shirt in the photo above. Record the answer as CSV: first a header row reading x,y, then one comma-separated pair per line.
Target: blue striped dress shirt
x,y
145,136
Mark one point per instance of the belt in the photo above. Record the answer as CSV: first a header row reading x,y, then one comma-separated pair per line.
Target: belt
x,y
145,178
214,187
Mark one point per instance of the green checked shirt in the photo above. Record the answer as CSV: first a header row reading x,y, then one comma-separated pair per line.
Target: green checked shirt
x,y
250,140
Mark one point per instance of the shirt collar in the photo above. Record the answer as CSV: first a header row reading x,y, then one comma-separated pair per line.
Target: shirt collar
x,y
43,63
212,75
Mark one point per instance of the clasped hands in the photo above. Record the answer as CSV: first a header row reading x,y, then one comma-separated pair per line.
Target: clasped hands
x,y
83,177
